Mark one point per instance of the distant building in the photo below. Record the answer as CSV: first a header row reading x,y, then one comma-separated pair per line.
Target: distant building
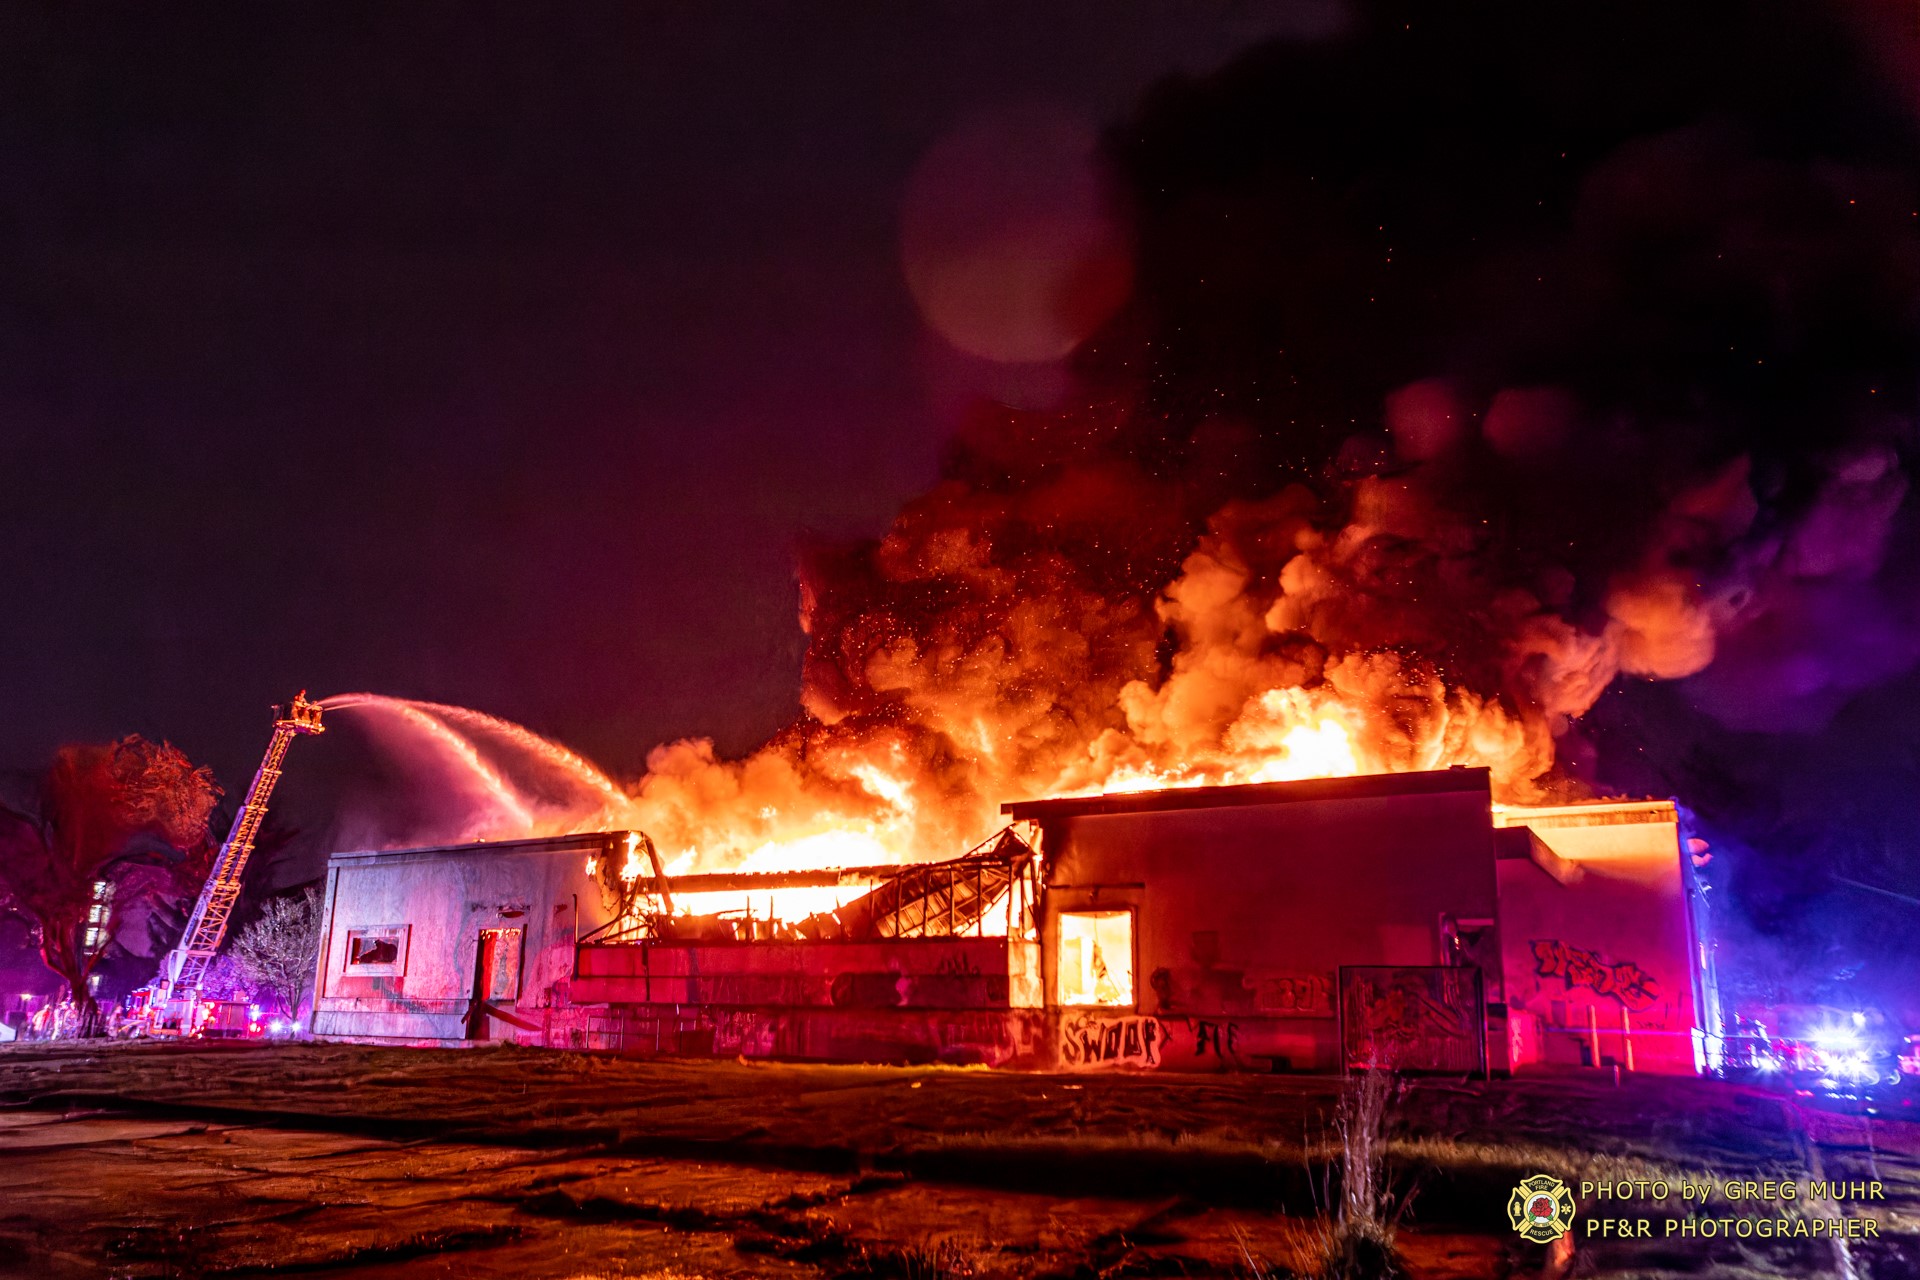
x,y
1395,919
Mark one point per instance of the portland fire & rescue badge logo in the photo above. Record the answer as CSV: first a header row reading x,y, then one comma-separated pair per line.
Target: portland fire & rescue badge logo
x,y
1541,1209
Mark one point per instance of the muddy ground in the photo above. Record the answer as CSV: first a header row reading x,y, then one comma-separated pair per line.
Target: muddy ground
x,y
204,1160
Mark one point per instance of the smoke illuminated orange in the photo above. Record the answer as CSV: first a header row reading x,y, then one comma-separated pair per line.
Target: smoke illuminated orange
x,y
1281,650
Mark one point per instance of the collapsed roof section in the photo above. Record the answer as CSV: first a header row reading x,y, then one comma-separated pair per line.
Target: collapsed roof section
x,y
936,899
956,898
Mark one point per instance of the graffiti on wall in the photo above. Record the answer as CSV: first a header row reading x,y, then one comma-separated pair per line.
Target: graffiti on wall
x,y
1412,1018
1306,995
1091,1040
1106,1040
1624,980
1219,1039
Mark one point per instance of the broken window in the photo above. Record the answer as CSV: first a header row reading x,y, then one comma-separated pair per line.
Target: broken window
x,y
1094,963
375,950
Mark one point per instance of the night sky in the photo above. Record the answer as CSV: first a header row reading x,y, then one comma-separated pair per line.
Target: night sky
x,y
501,360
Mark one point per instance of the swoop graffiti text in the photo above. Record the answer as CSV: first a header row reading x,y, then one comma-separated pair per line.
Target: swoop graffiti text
x,y
1102,1040
1087,1040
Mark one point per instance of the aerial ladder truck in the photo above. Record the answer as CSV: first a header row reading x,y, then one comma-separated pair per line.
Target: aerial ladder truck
x,y
175,1006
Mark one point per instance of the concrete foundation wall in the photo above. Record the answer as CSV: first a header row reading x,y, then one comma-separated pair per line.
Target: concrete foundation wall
x,y
961,1037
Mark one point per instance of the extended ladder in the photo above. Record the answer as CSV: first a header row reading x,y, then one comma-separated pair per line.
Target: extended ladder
x,y
186,965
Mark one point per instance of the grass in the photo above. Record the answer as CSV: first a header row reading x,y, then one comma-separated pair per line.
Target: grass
x,y
1357,1242
1353,1237
935,1260
1254,1141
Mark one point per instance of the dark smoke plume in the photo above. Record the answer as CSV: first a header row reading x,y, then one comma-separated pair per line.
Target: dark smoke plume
x,y
1483,366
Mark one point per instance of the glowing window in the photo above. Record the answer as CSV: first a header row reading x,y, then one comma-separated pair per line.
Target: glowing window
x,y
1095,960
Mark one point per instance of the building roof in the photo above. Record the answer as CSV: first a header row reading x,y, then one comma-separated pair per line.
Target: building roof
x,y
1585,813
538,844
1364,787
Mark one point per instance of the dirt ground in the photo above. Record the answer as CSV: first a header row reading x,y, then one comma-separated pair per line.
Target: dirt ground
x,y
154,1160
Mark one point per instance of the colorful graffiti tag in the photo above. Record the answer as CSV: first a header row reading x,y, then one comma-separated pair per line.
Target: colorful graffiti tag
x,y
1412,1018
1624,980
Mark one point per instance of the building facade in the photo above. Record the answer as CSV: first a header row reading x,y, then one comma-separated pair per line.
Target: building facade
x,y
1304,926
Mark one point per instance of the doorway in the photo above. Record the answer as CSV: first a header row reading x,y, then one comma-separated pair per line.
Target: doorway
x,y
496,978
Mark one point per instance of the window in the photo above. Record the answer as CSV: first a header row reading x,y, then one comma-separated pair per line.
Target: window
x,y
1094,965
99,914
375,952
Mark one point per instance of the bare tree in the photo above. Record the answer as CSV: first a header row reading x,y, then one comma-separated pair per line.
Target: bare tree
x,y
279,949
224,981
98,811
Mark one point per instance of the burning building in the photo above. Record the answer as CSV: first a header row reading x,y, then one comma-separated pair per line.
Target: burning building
x,y
1463,413
522,941
1304,925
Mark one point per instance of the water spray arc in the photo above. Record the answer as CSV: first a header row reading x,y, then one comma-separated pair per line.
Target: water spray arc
x,y
458,738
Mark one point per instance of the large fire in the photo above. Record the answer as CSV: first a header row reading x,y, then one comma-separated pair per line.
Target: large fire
x,y
1032,708
923,725
1334,518
982,663
1401,454
1263,659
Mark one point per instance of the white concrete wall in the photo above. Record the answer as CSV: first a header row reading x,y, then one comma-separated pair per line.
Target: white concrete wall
x,y
443,899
